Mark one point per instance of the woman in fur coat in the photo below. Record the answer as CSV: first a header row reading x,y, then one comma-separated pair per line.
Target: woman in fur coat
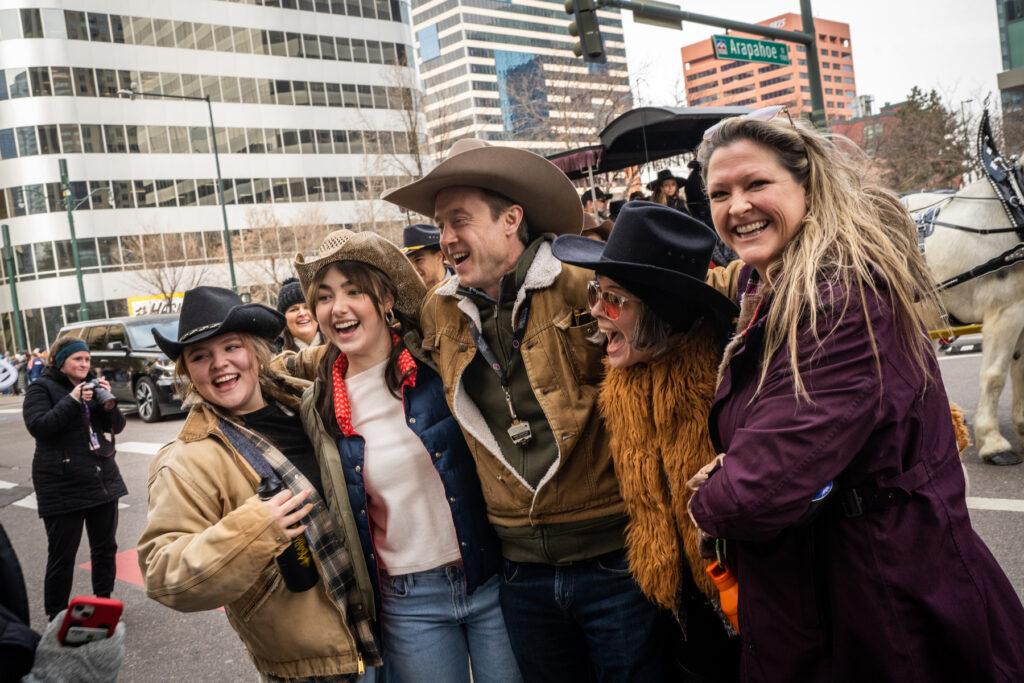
x,y
664,329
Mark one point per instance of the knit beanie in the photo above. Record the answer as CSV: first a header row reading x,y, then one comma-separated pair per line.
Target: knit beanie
x,y
289,294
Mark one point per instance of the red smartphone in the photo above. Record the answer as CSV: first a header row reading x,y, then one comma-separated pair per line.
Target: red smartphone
x,y
88,619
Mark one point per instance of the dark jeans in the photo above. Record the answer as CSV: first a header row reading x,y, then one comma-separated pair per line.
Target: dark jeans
x,y
587,621
63,534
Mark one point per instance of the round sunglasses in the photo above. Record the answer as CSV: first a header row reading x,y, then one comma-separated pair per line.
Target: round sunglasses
x,y
612,303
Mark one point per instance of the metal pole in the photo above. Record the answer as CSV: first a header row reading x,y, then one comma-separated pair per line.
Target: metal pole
x,y
19,332
83,310
813,71
220,198
806,37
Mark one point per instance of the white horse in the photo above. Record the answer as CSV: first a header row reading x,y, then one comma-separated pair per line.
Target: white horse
x,y
995,300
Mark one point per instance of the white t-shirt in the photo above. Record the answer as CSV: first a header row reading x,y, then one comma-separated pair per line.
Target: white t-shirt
x,y
410,519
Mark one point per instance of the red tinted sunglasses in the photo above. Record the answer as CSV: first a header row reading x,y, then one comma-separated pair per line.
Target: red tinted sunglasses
x,y
612,303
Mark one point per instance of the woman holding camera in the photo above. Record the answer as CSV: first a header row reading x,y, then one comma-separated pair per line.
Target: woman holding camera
x,y
234,491
74,474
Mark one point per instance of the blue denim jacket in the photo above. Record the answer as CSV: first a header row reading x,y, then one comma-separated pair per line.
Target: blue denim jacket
x,y
427,415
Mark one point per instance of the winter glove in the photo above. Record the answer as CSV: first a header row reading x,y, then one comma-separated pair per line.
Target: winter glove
x,y
96,662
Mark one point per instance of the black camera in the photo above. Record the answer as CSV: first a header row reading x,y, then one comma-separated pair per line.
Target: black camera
x,y
102,396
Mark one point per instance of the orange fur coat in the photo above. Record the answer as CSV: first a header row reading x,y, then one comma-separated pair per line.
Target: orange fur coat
x,y
657,416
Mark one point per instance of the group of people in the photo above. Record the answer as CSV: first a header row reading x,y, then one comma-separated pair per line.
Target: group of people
x,y
18,370
517,457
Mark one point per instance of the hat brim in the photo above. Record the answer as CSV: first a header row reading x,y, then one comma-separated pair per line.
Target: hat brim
x,y
655,183
548,198
586,253
420,247
256,319
374,250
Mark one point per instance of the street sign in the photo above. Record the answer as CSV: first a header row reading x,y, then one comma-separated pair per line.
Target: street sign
x,y
750,50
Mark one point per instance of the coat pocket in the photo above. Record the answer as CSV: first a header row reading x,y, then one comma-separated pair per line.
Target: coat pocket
x,y
583,355
268,582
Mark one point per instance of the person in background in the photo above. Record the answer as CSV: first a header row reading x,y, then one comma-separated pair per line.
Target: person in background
x,y
300,328
664,331
35,367
413,490
665,190
421,245
838,488
76,479
510,334
595,202
210,539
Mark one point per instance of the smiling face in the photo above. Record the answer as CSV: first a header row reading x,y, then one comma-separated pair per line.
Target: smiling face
x,y
76,366
757,205
352,320
619,332
225,372
300,322
429,263
480,246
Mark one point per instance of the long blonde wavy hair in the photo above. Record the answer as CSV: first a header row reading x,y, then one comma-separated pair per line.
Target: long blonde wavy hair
x,y
853,235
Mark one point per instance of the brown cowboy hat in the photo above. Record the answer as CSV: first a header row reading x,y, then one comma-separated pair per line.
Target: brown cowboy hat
x,y
371,249
548,199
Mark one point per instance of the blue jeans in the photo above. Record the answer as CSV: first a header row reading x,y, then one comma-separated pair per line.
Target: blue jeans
x,y
582,622
434,632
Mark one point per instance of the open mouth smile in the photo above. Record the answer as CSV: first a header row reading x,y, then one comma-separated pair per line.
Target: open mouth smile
x,y
749,230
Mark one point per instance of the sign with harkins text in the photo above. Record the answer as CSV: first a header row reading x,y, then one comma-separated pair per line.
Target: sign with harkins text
x,y
750,50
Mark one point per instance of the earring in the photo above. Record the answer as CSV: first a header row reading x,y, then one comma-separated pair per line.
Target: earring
x,y
389,318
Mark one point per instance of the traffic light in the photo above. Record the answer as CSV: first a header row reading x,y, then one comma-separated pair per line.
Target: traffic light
x,y
585,27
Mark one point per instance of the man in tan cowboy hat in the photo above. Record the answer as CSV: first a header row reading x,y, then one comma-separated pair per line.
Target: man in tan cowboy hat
x,y
509,334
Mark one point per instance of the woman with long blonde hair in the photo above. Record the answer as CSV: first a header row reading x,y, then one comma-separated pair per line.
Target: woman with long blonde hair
x,y
839,486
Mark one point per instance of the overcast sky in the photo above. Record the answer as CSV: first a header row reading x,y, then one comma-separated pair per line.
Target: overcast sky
x,y
949,45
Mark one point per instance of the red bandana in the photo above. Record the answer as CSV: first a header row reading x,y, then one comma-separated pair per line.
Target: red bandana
x,y
342,408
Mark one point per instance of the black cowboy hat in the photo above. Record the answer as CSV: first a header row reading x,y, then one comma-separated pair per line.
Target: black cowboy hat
x,y
590,192
210,311
416,237
663,175
661,255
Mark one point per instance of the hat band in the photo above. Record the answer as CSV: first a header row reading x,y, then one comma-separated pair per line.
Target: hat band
x,y
196,330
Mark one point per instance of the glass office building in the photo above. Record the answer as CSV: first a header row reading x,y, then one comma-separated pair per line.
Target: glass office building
x,y
308,128
1010,19
504,71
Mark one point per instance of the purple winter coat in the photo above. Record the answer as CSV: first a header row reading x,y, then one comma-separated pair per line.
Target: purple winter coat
x,y
908,592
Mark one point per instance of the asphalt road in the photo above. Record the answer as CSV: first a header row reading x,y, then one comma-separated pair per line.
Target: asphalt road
x,y
165,645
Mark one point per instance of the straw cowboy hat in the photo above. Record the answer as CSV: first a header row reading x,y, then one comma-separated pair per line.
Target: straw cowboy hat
x,y
371,249
548,199
211,311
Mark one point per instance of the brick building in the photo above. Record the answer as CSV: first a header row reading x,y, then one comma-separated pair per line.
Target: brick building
x,y
711,82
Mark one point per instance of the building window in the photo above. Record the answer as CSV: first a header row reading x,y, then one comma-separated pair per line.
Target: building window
x,y
27,145
430,46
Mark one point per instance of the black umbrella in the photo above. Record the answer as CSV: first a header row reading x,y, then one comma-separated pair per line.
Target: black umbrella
x,y
643,135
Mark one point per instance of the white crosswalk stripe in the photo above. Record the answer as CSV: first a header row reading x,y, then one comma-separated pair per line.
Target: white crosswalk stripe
x,y
142,447
29,502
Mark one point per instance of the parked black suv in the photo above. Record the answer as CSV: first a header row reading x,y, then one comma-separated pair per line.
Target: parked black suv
x,y
123,350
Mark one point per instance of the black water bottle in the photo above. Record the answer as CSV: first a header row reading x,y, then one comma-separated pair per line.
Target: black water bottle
x,y
296,563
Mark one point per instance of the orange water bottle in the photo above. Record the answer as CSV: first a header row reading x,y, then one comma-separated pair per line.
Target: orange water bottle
x,y
728,591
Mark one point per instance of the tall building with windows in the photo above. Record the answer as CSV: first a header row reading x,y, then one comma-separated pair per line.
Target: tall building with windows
x,y
503,70
712,82
1010,18
308,127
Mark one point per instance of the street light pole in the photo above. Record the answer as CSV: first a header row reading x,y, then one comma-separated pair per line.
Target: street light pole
x,y
229,252
19,332
83,310
228,249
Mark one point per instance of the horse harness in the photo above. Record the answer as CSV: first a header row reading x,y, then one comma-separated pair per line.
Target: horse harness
x,y
1007,180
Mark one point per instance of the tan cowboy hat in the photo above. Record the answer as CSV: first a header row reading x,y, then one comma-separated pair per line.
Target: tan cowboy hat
x,y
374,250
545,193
